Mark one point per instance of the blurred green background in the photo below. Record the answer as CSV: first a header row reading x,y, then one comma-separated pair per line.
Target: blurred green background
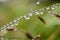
x,y
13,9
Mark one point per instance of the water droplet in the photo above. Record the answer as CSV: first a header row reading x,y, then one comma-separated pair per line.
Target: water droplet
x,y
38,3
41,12
11,23
48,8
16,24
27,18
7,24
24,16
52,8
52,14
36,13
15,21
21,17
18,19
30,14
49,12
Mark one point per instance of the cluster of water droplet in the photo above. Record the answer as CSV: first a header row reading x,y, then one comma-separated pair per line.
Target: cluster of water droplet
x,y
27,17
51,8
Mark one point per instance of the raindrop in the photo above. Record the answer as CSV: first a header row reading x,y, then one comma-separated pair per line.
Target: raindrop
x,y
36,13
49,12
21,17
11,23
7,24
18,19
48,8
15,21
27,18
52,15
30,14
41,12
38,3
52,8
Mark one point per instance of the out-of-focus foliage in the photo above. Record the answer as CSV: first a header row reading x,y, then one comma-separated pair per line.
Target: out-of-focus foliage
x,y
13,9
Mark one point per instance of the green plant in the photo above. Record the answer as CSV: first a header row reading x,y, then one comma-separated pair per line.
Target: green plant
x,y
48,28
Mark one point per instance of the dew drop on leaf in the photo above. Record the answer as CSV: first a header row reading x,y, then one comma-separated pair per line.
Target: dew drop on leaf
x,y
36,13
38,3
27,18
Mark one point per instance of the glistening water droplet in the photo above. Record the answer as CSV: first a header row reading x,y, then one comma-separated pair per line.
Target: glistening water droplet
x,y
15,23
26,17
41,12
52,8
38,3
30,14
37,13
